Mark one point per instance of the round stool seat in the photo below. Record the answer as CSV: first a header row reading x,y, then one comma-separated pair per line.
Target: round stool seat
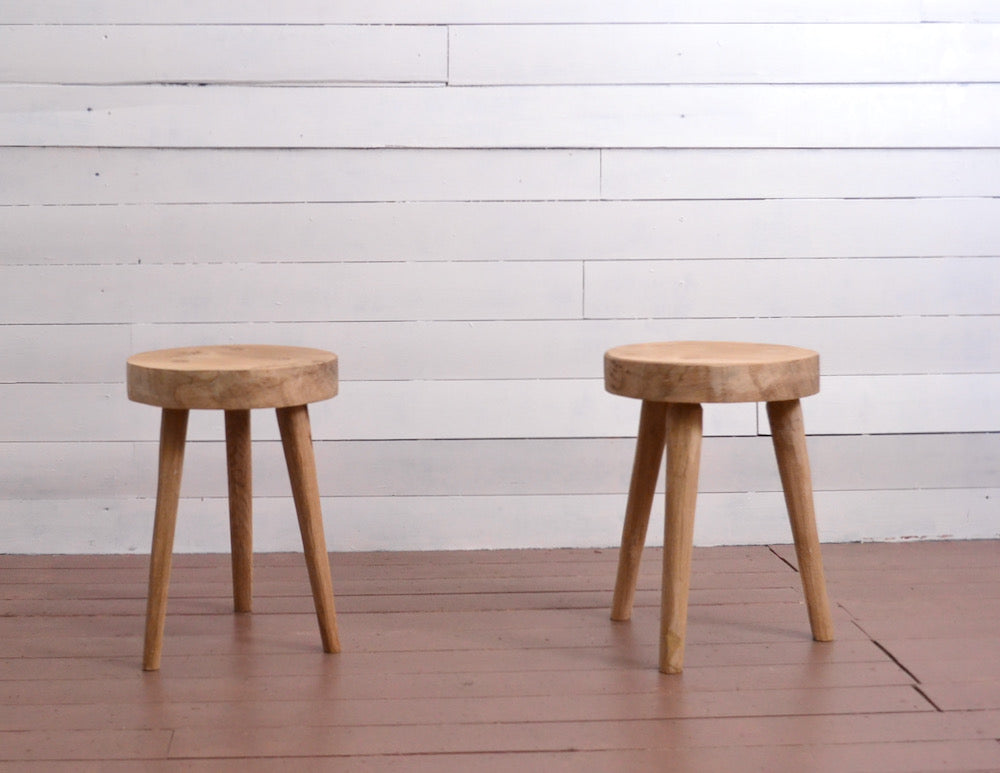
x,y
711,372
232,377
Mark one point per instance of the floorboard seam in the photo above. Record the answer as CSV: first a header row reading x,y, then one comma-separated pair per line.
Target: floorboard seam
x,y
899,664
927,698
170,743
896,660
783,560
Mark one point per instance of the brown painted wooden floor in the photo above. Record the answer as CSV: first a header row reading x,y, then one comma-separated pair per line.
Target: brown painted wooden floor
x,y
504,661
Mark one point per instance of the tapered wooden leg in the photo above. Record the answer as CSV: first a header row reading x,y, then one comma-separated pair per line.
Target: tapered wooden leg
x,y
297,441
173,431
683,459
239,465
788,433
645,469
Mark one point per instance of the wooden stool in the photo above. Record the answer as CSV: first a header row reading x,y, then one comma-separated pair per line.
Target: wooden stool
x,y
236,379
672,380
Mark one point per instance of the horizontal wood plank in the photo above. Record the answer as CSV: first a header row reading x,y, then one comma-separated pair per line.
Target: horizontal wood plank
x,y
292,292
199,54
464,523
135,176
532,231
865,287
519,349
512,467
521,12
63,353
792,173
132,176
907,757
945,116
723,53
880,404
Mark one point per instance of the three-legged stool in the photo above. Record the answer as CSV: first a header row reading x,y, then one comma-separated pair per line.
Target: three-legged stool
x,y
672,380
236,379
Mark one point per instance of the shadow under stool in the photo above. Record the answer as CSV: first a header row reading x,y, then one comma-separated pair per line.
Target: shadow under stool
x,y
672,379
236,379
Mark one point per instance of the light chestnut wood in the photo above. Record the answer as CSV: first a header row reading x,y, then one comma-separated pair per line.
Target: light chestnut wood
x,y
683,458
711,372
789,437
232,377
673,379
236,379
293,424
173,431
646,468
239,455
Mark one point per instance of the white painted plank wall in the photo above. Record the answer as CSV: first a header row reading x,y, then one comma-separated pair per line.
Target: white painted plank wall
x,y
470,202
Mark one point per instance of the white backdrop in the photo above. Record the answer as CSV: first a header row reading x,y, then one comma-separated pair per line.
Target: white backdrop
x,y
469,202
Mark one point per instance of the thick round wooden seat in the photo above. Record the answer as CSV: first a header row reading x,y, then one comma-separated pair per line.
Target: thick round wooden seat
x,y
236,379
711,372
232,377
673,379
